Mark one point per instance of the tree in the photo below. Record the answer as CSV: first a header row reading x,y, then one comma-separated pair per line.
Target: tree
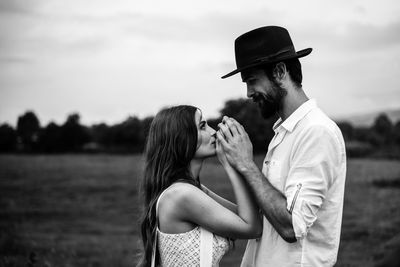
x,y
396,133
146,122
248,114
28,128
51,139
347,130
74,135
99,133
129,134
383,129
8,138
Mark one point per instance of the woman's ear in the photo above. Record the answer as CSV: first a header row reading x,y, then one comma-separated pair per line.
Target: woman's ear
x,y
279,72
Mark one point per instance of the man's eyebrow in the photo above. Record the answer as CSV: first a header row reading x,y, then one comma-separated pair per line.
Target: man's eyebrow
x,y
246,77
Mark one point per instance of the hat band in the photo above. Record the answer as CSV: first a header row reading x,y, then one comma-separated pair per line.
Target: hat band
x,y
273,56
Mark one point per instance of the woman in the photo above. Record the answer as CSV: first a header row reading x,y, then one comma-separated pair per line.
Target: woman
x,y
178,209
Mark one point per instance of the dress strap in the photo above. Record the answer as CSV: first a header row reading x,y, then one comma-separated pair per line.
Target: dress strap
x,y
206,243
158,201
153,254
206,248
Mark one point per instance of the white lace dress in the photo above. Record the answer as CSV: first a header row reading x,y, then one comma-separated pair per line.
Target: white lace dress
x,y
183,249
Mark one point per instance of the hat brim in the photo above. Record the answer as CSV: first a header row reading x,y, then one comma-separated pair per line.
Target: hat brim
x,y
299,54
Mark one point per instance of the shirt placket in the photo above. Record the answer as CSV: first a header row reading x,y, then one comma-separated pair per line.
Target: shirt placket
x,y
278,138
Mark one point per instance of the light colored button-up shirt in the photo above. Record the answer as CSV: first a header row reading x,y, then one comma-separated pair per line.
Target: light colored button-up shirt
x,y
306,161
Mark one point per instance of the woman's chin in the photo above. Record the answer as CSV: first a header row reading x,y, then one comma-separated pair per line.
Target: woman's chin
x,y
213,153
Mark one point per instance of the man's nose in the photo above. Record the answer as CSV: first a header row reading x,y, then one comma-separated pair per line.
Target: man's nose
x,y
250,91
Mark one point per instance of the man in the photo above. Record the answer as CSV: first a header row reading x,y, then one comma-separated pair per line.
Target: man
x,y
300,190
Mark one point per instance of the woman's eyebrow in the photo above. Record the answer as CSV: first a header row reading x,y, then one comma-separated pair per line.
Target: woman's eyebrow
x,y
201,119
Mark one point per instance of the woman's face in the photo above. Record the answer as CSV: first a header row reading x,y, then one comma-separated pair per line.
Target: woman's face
x,y
205,137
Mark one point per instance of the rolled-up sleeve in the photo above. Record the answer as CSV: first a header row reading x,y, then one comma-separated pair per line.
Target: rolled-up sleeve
x,y
310,174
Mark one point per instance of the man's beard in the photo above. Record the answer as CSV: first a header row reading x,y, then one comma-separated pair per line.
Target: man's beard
x,y
270,104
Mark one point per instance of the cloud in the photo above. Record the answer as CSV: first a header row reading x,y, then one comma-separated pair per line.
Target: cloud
x,y
213,27
368,37
15,60
352,37
114,51
16,6
20,7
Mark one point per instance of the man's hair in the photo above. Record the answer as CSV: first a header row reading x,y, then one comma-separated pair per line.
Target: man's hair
x,y
293,66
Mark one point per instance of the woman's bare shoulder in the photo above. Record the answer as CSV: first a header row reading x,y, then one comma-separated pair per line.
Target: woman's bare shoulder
x,y
180,191
178,199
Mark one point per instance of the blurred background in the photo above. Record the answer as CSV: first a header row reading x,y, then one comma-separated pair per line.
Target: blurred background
x,y
80,82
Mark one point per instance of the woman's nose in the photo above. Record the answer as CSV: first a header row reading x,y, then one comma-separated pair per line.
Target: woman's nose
x,y
213,132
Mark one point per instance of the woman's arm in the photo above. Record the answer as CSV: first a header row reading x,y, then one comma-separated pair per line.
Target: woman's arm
x,y
243,221
230,171
223,201
192,205
247,208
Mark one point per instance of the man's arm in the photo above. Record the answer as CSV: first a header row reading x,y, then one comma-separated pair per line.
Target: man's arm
x,y
239,151
271,201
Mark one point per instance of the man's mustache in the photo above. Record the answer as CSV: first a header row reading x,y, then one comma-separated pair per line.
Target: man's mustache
x,y
262,97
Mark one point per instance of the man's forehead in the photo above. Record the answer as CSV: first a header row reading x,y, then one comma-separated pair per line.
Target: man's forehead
x,y
246,74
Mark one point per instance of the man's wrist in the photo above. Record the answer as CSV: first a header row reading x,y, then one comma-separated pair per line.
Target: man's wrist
x,y
247,168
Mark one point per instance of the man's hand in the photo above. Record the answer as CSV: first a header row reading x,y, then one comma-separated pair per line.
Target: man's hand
x,y
239,152
235,143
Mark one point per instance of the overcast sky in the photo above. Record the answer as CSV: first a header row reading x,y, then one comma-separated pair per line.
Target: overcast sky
x,y
108,60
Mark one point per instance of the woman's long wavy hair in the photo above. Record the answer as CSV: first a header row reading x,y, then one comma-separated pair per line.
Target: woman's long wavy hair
x,y
171,145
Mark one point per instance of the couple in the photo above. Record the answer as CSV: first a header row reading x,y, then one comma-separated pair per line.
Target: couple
x,y
291,210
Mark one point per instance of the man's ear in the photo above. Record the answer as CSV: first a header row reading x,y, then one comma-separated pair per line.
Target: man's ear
x,y
279,72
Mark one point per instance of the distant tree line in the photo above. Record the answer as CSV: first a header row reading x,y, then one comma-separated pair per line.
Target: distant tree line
x,y
382,139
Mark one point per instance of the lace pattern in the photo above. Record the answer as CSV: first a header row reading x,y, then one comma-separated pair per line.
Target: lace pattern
x,y
184,249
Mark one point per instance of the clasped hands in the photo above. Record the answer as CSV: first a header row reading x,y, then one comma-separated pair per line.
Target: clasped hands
x,y
234,143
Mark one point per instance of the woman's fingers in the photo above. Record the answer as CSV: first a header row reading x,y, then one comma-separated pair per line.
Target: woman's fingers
x,y
238,126
225,131
218,146
221,139
229,122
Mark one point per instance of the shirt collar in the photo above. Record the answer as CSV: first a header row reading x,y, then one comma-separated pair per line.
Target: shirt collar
x,y
295,117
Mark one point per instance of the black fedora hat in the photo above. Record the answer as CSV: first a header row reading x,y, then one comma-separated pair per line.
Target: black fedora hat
x,y
264,45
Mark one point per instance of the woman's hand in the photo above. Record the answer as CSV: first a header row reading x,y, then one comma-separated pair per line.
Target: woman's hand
x,y
221,154
236,144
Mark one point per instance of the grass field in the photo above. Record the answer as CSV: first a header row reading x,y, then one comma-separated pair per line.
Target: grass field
x,y
81,210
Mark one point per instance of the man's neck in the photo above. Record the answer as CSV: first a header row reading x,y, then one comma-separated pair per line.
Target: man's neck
x,y
292,101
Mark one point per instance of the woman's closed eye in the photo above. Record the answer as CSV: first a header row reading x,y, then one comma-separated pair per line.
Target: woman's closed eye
x,y
203,124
